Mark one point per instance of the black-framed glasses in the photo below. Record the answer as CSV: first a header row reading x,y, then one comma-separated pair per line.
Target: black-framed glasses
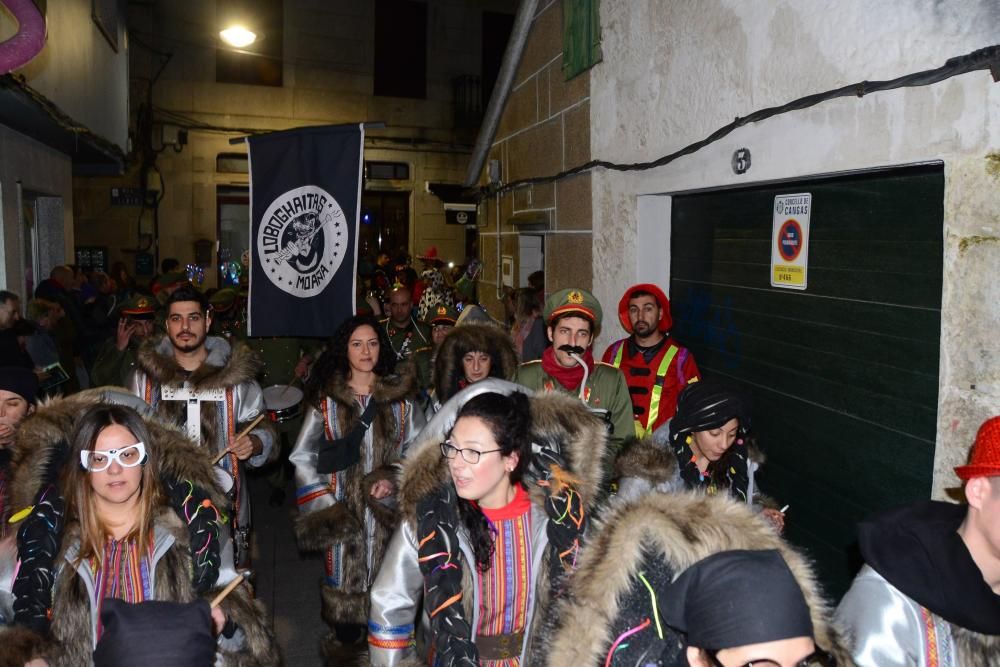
x,y
470,456
818,658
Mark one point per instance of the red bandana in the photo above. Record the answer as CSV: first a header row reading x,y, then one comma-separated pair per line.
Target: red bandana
x,y
570,378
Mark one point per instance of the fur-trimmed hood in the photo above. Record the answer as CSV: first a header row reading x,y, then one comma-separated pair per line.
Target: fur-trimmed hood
x,y
399,385
54,420
224,367
472,338
558,421
662,535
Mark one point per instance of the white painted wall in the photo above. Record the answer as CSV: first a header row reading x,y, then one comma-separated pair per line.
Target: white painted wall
x,y
79,71
38,169
674,72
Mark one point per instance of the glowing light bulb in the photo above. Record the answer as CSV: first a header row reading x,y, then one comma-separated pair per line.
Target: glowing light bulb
x,y
238,36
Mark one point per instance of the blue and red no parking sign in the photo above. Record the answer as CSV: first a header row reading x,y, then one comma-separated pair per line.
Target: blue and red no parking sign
x,y
790,241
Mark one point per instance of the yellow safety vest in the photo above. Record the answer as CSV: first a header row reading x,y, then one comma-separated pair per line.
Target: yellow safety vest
x,y
654,399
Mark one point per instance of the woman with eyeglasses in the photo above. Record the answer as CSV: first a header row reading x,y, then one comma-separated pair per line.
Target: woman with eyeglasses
x,y
359,420
125,514
491,528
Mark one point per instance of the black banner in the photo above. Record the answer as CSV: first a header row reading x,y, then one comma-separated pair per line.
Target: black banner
x,y
305,191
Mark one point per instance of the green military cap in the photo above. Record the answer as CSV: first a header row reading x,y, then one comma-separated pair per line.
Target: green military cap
x,y
574,301
223,299
446,315
139,307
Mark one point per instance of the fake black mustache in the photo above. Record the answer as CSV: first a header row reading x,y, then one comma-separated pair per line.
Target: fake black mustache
x,y
572,349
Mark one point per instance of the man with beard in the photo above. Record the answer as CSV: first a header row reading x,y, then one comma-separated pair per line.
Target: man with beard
x,y
656,368
117,357
573,319
406,334
200,382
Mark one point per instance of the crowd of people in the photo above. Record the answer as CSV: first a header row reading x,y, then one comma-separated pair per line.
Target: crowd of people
x,y
483,490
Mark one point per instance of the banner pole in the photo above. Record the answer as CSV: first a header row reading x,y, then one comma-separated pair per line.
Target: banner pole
x,y
369,125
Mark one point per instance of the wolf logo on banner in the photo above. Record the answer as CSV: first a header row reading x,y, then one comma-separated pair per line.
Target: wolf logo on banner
x,y
305,195
299,240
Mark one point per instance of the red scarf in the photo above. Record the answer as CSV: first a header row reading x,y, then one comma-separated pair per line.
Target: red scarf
x,y
570,378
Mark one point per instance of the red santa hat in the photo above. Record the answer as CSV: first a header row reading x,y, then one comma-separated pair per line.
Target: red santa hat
x,y
665,320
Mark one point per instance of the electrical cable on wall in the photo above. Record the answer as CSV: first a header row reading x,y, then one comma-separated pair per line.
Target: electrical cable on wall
x,y
985,58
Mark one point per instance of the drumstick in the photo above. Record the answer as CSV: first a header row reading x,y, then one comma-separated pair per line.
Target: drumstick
x,y
242,433
289,386
230,587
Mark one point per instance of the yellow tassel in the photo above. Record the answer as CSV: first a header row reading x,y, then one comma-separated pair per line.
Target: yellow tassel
x,y
23,514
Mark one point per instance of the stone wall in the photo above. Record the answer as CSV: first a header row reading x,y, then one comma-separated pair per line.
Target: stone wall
x,y
544,129
675,72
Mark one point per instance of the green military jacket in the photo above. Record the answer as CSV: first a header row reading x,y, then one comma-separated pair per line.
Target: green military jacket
x,y
606,388
112,367
408,340
280,355
423,360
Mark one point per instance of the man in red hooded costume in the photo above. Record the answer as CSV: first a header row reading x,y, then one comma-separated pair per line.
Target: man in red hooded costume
x,y
656,368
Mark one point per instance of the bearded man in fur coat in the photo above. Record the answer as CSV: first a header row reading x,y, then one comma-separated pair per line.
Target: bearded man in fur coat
x,y
200,382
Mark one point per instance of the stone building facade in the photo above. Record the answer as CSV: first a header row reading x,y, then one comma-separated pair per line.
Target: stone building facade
x,y
327,67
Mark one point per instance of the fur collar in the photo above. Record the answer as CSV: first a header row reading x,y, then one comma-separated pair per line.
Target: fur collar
x,y
400,385
225,366
472,338
682,529
40,435
559,421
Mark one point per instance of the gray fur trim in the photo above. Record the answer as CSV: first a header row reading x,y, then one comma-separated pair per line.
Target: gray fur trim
x,y
261,646
684,528
398,386
337,654
341,607
225,367
472,338
556,418
975,650
323,528
644,459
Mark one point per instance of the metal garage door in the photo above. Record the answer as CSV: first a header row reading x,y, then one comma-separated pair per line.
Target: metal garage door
x,y
844,375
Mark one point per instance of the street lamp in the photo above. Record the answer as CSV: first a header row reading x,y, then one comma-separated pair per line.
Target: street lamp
x,y
238,36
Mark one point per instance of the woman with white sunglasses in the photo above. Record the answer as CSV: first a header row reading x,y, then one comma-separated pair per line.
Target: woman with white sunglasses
x,y
130,517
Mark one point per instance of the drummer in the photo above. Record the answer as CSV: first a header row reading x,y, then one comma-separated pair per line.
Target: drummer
x,y
286,362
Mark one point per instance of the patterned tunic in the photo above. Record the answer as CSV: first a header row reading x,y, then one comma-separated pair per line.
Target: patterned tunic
x,y
505,589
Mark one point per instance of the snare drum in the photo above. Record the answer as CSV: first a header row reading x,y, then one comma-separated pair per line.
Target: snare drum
x,y
282,402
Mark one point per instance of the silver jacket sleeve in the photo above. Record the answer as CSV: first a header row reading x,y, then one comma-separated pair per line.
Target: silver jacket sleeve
x,y
882,625
309,483
395,601
249,404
